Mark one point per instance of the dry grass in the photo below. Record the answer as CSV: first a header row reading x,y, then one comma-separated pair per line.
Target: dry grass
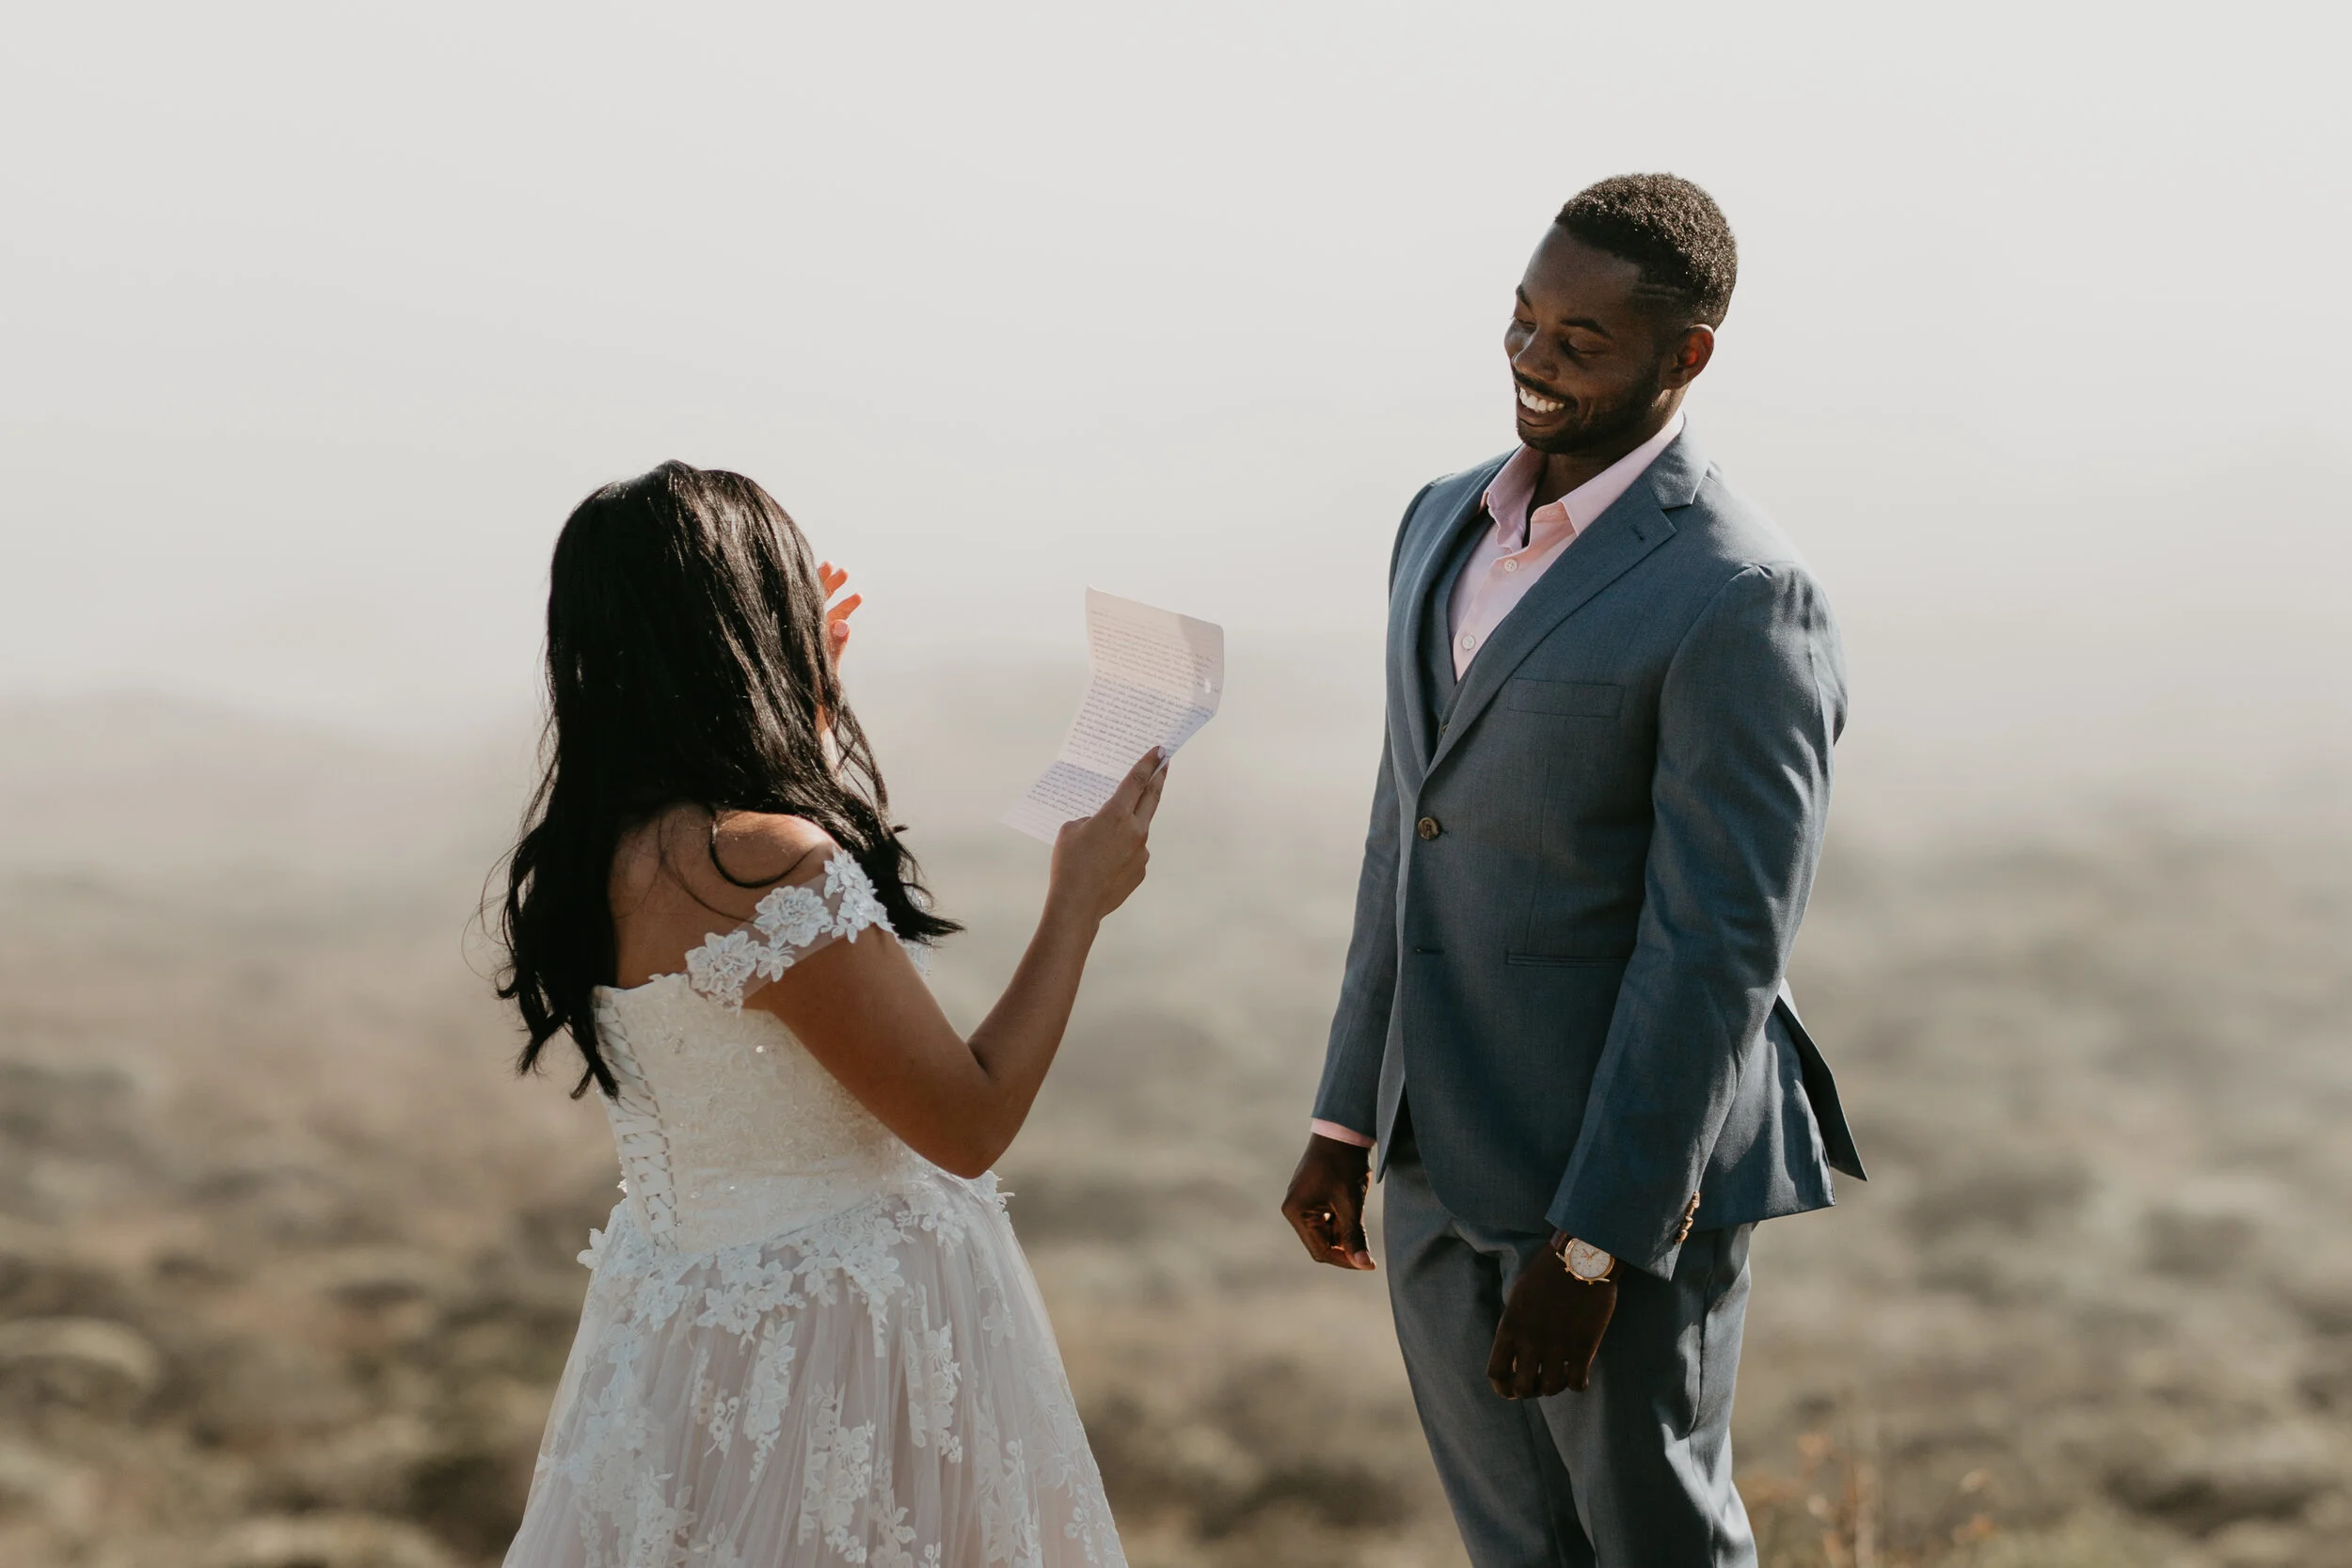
x,y
285,1258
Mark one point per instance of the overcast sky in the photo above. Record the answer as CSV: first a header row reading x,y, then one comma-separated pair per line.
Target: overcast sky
x,y
315,320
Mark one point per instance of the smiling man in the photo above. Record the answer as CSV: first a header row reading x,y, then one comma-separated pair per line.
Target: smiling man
x,y
1612,691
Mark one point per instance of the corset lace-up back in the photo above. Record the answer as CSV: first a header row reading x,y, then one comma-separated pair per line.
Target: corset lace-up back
x,y
728,1129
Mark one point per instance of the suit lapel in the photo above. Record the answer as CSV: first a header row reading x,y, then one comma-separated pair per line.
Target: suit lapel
x,y
1423,562
1635,525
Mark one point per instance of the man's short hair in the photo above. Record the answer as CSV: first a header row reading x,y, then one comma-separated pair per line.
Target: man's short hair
x,y
1670,229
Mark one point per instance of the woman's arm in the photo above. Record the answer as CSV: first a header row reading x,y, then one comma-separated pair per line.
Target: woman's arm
x,y
863,1011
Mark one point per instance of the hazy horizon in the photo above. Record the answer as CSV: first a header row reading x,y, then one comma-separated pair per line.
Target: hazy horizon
x,y
318,324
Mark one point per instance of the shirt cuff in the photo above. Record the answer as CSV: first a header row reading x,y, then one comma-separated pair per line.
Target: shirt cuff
x,y
1344,1135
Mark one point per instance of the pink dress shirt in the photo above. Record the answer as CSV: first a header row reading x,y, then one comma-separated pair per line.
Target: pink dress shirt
x,y
1519,549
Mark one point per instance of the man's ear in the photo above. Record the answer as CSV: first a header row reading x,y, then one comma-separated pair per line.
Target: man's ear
x,y
1688,354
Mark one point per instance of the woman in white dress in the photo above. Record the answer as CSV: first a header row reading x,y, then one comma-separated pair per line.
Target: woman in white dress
x,y
810,1338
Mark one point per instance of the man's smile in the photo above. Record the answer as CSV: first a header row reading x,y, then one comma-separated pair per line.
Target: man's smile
x,y
1536,402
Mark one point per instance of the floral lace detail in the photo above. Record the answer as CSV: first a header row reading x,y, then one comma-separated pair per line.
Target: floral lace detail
x,y
788,925
851,892
841,1473
794,917
761,1412
932,1373
802,1343
856,1436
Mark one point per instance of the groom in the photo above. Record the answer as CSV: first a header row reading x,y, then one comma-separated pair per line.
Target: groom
x,y
1613,688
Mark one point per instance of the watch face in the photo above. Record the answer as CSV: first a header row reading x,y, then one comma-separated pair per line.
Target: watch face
x,y
1587,1261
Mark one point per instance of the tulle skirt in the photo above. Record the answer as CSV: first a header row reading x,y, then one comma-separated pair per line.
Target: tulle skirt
x,y
879,1387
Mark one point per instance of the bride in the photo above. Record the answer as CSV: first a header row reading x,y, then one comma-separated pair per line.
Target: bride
x,y
809,1336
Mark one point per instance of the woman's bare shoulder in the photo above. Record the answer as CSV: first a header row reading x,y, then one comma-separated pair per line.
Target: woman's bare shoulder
x,y
766,848
682,876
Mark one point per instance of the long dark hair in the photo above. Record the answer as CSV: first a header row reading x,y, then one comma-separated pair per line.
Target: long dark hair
x,y
687,665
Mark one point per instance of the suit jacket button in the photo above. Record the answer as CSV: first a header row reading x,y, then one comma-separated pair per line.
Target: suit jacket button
x,y
1427,826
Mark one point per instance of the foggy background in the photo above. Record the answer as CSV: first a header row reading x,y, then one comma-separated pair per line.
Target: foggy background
x,y
315,322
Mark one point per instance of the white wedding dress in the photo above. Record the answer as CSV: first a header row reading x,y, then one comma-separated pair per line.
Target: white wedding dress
x,y
803,1344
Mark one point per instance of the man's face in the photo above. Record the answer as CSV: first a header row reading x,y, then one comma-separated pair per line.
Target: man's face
x,y
1586,353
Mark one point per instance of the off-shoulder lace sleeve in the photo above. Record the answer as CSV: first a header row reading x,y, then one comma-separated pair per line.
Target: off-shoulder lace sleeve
x,y
791,922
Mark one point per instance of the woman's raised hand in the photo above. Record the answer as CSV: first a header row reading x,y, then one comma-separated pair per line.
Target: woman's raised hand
x,y
832,578
1100,859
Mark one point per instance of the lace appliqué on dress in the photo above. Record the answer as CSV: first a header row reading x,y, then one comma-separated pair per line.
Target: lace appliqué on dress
x,y
789,923
899,1388
804,1345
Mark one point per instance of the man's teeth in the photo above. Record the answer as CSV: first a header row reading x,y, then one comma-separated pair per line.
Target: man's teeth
x,y
1541,406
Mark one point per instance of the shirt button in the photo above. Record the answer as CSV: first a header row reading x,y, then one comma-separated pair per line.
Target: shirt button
x,y
1510,566
1469,639
1427,828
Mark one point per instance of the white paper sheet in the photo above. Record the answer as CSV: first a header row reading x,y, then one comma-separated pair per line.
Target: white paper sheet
x,y
1153,678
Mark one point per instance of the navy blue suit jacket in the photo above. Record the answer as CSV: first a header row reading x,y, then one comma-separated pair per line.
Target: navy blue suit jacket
x,y
1586,866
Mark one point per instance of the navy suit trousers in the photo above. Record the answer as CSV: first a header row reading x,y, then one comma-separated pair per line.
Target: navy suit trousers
x,y
1635,1471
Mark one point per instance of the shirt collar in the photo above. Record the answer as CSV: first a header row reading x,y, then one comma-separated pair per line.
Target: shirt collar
x,y
1512,488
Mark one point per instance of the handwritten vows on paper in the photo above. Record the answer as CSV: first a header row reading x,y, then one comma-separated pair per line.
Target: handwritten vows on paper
x,y
1153,678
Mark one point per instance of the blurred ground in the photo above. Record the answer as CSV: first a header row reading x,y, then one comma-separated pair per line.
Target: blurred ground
x,y
286,1258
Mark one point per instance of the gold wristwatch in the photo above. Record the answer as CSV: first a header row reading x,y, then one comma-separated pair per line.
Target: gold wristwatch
x,y
1584,1262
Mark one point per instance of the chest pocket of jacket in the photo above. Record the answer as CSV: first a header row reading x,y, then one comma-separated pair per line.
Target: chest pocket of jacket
x,y
1572,699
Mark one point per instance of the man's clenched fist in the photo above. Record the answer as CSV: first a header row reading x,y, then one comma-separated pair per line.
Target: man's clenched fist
x,y
1551,1331
1325,1203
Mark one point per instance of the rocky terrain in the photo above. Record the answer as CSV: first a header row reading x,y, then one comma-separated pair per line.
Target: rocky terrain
x,y
287,1257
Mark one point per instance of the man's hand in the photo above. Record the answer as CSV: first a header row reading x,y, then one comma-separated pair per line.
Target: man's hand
x,y
1325,1204
1551,1331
